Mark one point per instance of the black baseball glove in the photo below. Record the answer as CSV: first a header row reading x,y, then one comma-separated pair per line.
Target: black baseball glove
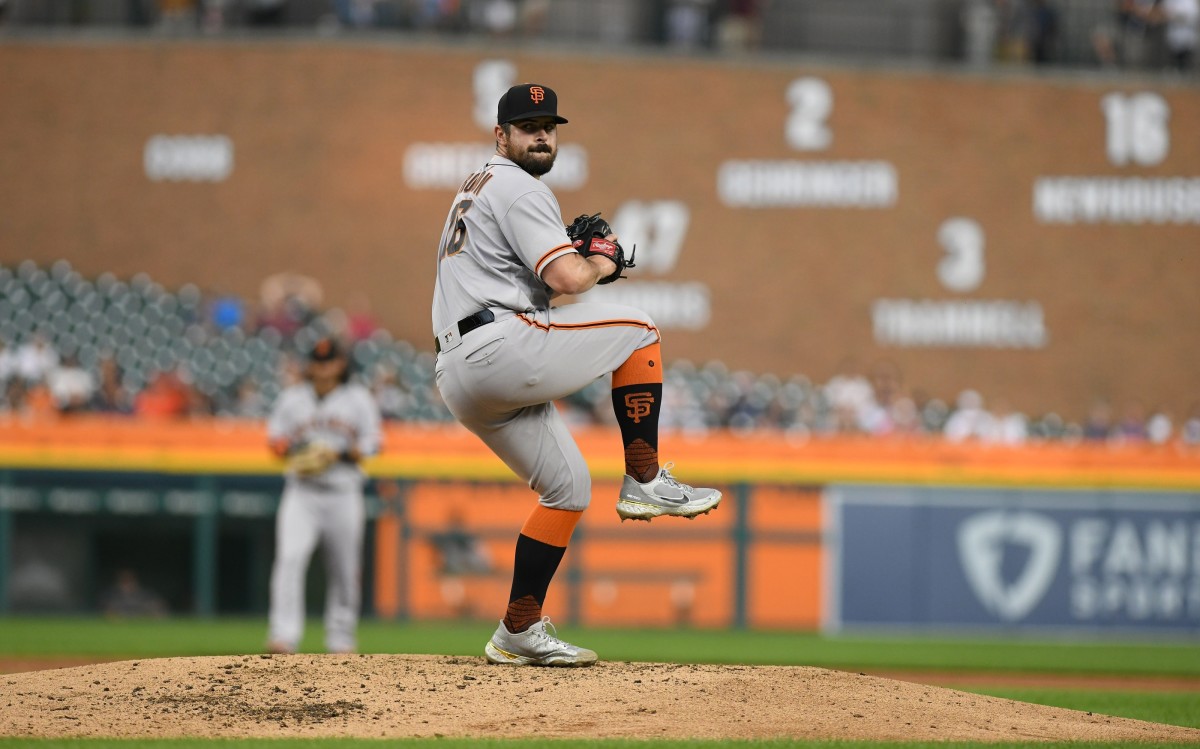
x,y
589,234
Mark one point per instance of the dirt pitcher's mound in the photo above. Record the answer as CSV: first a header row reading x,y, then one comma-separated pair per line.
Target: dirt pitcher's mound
x,y
419,695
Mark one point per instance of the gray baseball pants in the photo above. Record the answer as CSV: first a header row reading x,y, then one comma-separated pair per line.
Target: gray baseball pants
x,y
335,518
501,381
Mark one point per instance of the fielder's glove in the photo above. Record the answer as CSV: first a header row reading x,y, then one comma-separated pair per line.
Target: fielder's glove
x,y
589,234
311,459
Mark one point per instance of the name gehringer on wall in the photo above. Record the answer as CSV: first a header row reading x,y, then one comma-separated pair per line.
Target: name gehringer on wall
x,y
813,184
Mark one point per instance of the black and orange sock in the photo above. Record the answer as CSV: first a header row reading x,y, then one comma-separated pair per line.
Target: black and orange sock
x,y
540,548
637,399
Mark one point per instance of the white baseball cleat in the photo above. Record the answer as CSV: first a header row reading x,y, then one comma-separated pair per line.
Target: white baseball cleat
x,y
664,495
536,646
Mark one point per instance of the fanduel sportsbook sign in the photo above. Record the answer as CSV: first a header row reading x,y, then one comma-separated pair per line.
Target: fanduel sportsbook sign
x,y
938,558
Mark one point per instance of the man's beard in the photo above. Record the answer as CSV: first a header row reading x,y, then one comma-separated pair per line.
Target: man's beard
x,y
536,162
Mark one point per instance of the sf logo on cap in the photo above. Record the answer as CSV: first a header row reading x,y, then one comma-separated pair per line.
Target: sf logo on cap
x,y
537,93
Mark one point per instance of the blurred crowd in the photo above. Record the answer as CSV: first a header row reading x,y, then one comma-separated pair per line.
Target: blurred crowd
x,y
684,23
72,345
1128,34
1131,34
875,404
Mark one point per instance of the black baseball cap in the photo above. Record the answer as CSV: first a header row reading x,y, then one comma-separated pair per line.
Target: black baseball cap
x,y
325,349
526,101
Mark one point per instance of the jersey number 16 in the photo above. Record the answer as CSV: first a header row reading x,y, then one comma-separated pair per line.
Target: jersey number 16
x,y
455,234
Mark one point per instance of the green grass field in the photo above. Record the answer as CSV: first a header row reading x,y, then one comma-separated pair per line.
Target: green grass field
x,y
85,637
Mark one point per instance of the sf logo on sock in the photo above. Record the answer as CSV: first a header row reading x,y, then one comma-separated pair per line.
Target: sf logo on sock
x,y
638,405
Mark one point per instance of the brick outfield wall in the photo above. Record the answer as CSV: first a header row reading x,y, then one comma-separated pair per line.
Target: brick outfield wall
x,y
322,134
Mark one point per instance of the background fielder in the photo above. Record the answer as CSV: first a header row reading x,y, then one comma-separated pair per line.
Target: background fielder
x,y
505,355
323,427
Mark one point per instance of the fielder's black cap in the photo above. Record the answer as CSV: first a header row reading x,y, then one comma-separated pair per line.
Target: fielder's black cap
x,y
526,101
325,349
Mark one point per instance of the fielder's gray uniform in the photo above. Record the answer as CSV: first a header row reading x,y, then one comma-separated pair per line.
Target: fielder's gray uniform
x,y
499,379
326,508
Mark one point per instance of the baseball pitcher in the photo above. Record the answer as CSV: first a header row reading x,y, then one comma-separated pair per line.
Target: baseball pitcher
x,y
322,428
505,354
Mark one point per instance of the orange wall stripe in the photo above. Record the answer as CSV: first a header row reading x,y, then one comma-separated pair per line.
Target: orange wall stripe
x,y
449,451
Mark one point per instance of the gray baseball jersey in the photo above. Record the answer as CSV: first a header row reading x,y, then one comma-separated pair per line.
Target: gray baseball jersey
x,y
327,509
500,379
503,231
347,417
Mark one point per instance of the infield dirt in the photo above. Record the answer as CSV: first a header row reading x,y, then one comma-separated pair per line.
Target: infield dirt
x,y
397,696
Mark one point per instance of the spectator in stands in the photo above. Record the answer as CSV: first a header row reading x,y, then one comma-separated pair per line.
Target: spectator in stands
x,y
738,25
1181,17
38,403
1010,427
137,12
970,420
361,323
176,16
226,311
1141,33
13,402
439,15
1189,433
688,23
888,412
849,396
355,14
905,418
1012,23
8,362
1132,426
1159,427
71,386
35,358
165,397
266,13
1043,32
1104,42
1098,426
747,404
496,17
110,395
979,20
392,399
533,17
682,410
289,302
250,402
200,403
214,15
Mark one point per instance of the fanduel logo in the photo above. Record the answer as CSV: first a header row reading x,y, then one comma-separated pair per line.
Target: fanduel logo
x,y
982,541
